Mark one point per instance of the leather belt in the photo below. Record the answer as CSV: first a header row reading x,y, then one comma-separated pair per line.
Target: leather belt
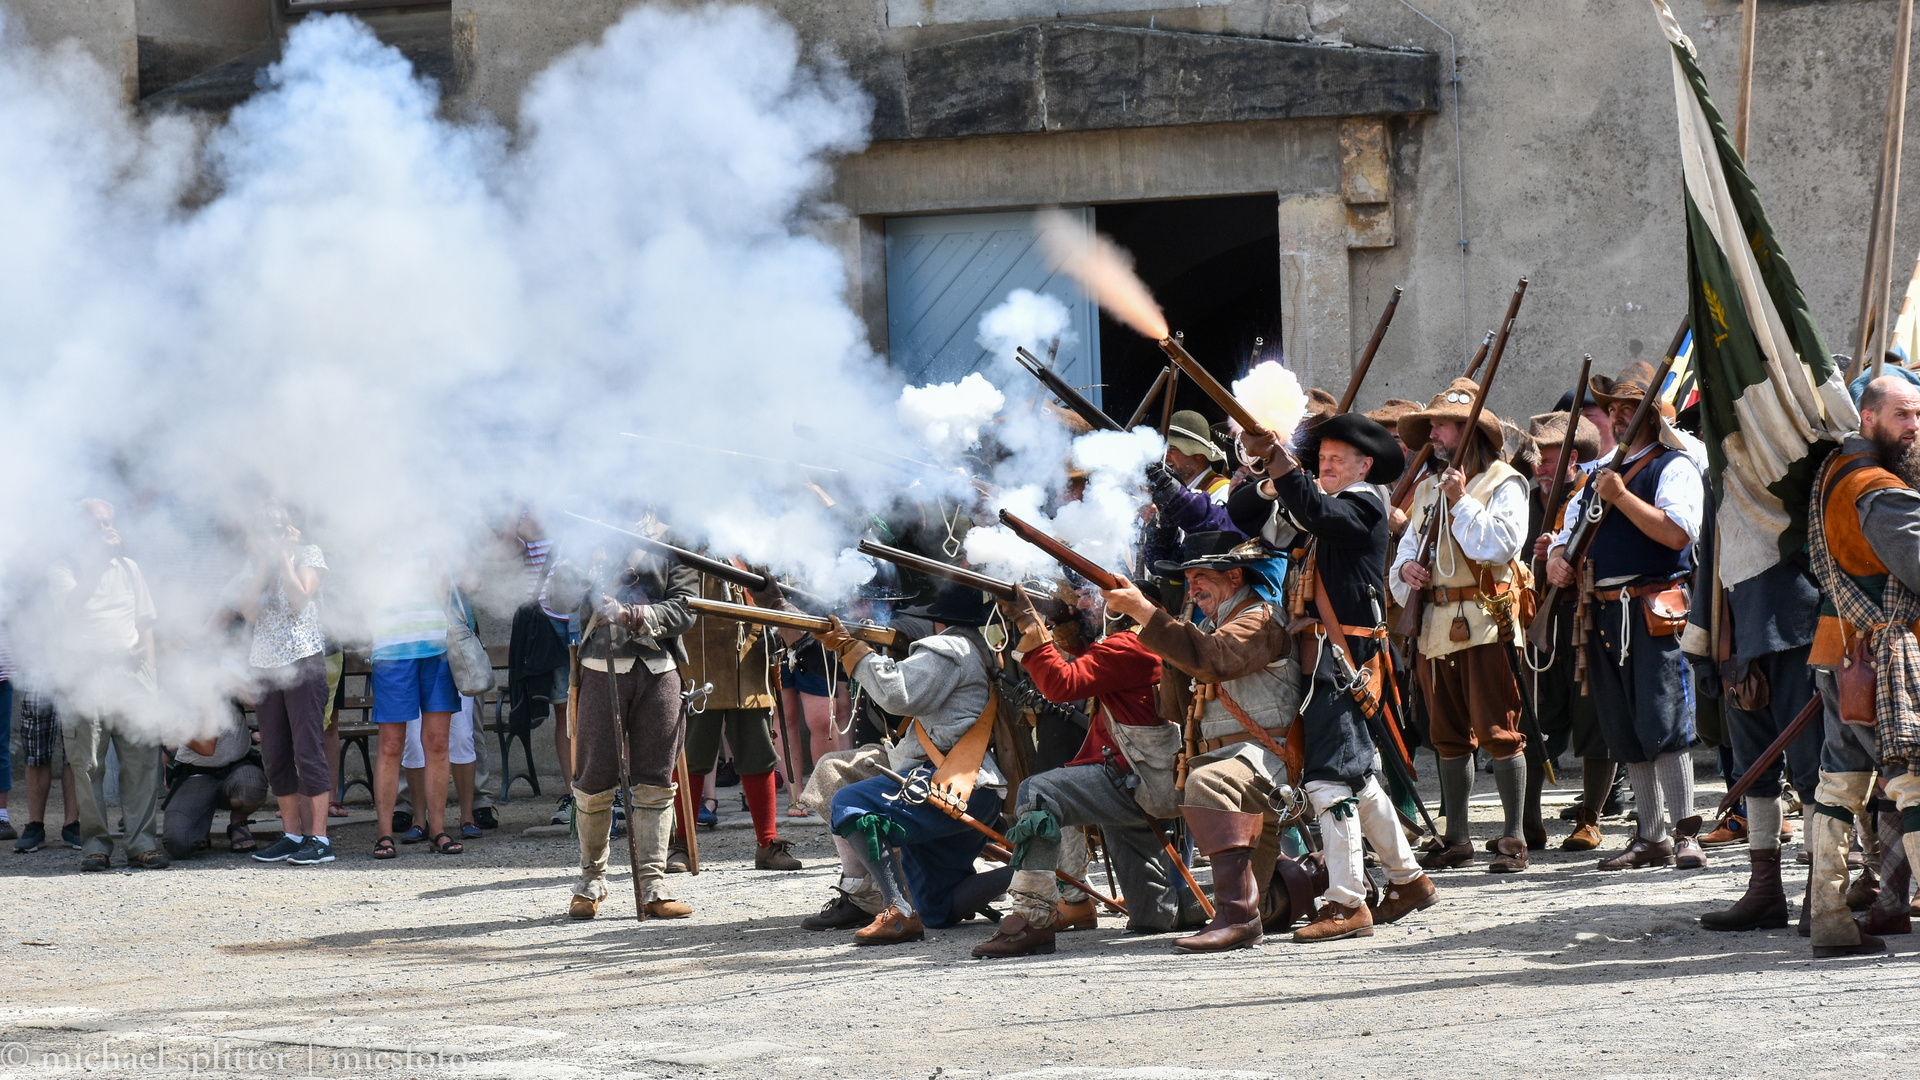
x,y
621,665
1208,746
1378,633
1608,596
1470,592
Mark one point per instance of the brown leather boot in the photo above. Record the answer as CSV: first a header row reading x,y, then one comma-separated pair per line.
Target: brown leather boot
x,y
1878,921
775,856
1403,900
1080,916
1335,921
1015,937
583,907
1586,836
1532,828
1864,890
1227,838
1764,907
891,928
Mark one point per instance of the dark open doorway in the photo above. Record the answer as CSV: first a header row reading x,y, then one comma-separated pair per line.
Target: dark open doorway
x,y
1214,265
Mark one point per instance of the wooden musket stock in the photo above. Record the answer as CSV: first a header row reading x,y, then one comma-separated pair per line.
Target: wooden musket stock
x,y
1211,386
1153,394
1063,554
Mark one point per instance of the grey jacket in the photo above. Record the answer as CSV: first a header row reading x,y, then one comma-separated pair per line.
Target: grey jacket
x,y
944,682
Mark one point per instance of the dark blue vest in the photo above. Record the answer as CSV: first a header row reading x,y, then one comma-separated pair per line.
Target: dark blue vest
x,y
1620,549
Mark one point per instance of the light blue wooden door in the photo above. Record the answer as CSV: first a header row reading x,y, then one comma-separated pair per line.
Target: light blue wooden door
x,y
945,272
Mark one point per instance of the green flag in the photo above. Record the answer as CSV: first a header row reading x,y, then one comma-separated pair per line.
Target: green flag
x,y
1771,398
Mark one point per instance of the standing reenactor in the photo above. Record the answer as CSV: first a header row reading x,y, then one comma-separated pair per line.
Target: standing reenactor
x,y
1567,717
732,658
1346,515
1475,512
1632,587
630,647
1861,531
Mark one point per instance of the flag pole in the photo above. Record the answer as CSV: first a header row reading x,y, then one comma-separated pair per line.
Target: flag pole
x,y
1743,107
1876,290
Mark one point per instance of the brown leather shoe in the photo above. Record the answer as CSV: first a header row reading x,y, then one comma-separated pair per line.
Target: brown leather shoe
x,y
668,909
1221,937
583,907
891,928
1448,858
1403,900
1512,857
1641,852
1864,890
1687,854
1586,836
1731,831
677,856
1335,921
1080,916
1878,921
1867,945
1014,937
776,856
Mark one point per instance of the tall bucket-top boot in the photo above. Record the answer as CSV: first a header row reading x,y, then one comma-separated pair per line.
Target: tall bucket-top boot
x,y
1227,838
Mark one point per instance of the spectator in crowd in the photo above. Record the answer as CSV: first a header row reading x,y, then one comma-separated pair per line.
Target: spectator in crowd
x,y
814,689
6,736
39,744
411,679
540,561
278,593
106,675
462,753
218,773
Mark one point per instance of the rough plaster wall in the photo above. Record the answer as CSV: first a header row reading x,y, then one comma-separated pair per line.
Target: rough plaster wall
x,y
104,28
1567,130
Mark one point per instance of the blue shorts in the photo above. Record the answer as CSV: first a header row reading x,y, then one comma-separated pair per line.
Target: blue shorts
x,y
403,689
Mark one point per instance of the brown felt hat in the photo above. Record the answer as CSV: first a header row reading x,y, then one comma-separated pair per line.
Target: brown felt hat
x,y
1391,410
1550,429
1453,403
1320,403
1630,386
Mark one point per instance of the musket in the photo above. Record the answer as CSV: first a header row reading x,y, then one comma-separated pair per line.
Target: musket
x,y
1747,779
1588,526
1211,386
1061,553
725,571
1559,489
959,575
919,791
692,700
1412,612
818,624
1153,393
1408,479
1068,396
1366,358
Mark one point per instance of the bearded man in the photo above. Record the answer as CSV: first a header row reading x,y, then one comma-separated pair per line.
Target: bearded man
x,y
1864,535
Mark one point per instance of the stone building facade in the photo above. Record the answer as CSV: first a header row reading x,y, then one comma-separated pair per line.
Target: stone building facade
x,y
1278,166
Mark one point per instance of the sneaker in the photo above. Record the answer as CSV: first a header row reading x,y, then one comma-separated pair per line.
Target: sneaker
x,y
414,835
563,813
281,850
314,849
32,839
470,831
402,820
483,816
709,813
6,831
70,835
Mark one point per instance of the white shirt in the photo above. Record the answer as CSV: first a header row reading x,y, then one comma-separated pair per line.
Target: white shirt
x,y
1488,533
1680,495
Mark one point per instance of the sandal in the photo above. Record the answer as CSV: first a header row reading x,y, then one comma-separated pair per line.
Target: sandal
x,y
383,848
336,810
446,845
240,840
798,811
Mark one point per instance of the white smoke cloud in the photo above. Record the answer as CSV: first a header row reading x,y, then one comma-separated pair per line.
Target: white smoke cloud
x,y
1101,525
1026,319
949,416
405,327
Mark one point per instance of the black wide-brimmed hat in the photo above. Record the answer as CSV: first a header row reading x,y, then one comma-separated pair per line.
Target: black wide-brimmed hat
x,y
1215,551
1370,437
955,605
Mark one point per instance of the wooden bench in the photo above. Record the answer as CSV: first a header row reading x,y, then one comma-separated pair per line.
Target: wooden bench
x,y
501,728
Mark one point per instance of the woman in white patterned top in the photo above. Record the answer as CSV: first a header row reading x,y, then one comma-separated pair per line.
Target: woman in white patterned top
x,y
278,593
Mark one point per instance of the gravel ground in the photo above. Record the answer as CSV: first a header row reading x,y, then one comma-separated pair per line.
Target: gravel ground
x,y
435,966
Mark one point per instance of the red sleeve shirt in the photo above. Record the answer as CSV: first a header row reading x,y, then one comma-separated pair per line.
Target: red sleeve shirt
x,y
1119,671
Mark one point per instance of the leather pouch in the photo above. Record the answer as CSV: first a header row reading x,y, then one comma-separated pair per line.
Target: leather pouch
x,y
1750,692
1459,631
1666,611
1856,678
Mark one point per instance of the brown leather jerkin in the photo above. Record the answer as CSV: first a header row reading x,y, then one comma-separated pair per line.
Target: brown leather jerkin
x,y
955,770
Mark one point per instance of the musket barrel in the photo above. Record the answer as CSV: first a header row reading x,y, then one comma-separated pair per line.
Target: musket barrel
x,y
1211,386
959,575
872,635
1068,396
1063,554
1153,392
1366,358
